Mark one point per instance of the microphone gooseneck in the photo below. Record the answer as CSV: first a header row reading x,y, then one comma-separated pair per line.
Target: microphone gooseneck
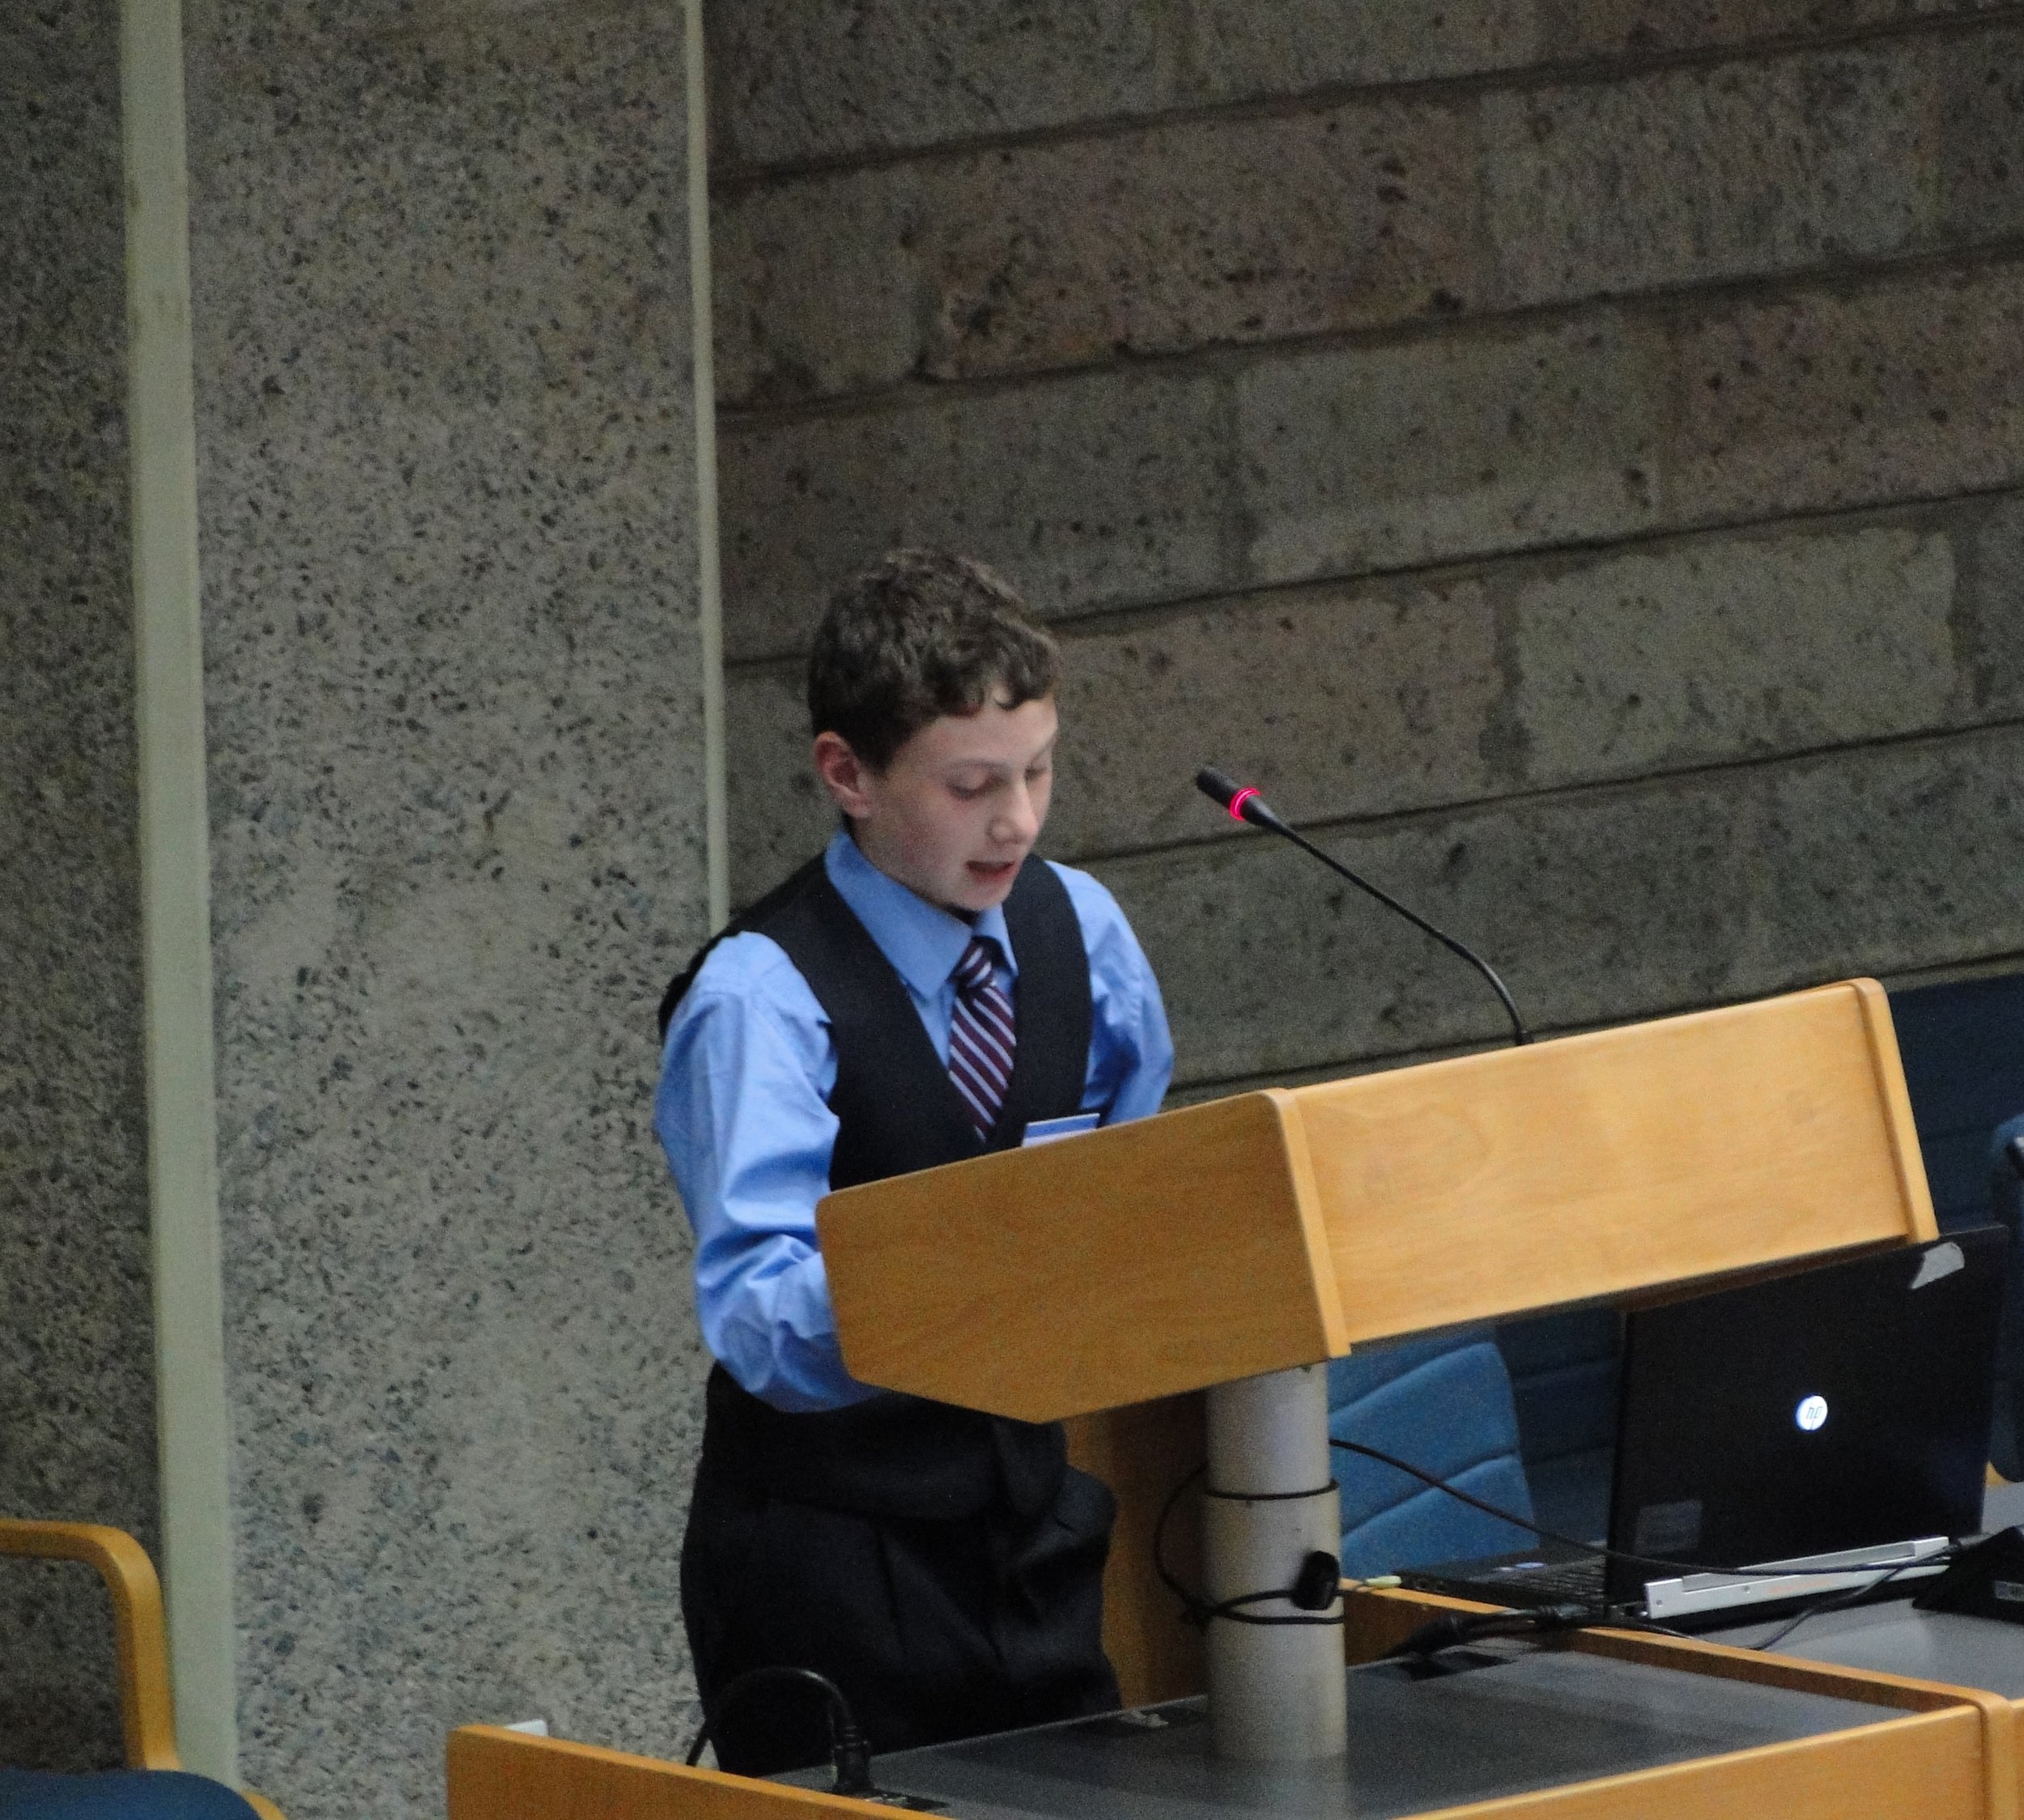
x,y
1245,805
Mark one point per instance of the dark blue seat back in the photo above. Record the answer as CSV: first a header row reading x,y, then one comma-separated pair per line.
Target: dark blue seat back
x,y
2006,1204
118,1795
1963,1050
1443,1405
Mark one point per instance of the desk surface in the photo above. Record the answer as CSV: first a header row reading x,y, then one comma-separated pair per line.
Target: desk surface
x,y
1535,1720
1892,1638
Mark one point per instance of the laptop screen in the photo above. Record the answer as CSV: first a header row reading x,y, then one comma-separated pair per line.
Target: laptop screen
x,y
1842,1407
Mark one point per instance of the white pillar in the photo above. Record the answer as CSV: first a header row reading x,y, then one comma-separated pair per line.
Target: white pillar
x,y
193,1421
1277,1692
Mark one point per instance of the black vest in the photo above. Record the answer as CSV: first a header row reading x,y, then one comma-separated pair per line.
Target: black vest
x,y
897,1111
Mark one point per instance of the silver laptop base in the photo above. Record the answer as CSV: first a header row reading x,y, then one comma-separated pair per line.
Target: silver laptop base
x,y
1695,1594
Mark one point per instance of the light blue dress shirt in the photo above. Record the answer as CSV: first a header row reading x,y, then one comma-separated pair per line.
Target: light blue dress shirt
x,y
743,1110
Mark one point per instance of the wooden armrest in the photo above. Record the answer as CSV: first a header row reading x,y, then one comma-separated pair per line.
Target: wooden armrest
x,y
146,1717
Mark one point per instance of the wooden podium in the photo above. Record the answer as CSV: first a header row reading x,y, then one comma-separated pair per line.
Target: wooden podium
x,y
1285,1226
1105,1276
1108,1277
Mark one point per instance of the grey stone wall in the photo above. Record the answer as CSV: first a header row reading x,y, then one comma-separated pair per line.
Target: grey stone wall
x,y
1569,456
77,1390
446,433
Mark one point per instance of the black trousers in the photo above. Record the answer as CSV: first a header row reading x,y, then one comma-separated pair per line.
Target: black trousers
x,y
933,1630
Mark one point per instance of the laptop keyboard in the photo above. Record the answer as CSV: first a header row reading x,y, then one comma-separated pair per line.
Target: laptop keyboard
x,y
1548,1582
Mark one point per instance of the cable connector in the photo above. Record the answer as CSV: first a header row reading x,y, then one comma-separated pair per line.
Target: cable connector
x,y
849,1751
1319,1582
1475,1627
850,1756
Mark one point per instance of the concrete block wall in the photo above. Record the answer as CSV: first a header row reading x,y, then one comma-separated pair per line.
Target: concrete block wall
x,y
1569,456
77,1368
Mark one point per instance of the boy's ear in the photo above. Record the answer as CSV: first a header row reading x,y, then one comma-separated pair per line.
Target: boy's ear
x,y
843,773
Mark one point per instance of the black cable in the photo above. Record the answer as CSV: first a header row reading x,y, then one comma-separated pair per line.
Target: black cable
x,y
1645,1627
1533,1527
1833,1602
1520,1034
1201,1611
1248,806
849,1754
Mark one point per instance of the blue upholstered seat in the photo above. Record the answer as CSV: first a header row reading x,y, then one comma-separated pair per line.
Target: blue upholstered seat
x,y
1445,1406
2006,1207
118,1795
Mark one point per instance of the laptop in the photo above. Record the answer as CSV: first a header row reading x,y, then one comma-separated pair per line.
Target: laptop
x,y
1835,1419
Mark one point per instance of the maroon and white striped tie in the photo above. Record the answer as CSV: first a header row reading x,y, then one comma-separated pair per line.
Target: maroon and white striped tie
x,y
981,1035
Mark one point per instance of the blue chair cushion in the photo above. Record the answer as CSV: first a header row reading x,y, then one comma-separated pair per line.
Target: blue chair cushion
x,y
2006,1208
118,1795
1445,1406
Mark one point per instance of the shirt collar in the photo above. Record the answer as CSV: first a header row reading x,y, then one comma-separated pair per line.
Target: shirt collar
x,y
923,940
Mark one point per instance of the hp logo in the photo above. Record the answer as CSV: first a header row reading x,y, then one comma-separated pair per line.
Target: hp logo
x,y
1812,1414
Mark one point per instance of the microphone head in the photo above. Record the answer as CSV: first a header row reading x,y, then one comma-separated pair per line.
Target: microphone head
x,y
1215,786
1243,803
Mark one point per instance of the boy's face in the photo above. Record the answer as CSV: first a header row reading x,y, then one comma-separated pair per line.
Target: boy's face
x,y
959,807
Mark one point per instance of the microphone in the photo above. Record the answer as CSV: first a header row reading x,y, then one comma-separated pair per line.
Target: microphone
x,y
1245,805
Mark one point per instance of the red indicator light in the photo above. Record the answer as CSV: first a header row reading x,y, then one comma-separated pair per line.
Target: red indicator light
x,y
1237,802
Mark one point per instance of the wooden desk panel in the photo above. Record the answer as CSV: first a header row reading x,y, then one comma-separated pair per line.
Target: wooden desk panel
x,y
1942,1753
1923,1767
1926,1765
496,1775
1378,1620
1142,1453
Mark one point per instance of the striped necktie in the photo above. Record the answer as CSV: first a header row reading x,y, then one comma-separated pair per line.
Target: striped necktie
x,y
981,1035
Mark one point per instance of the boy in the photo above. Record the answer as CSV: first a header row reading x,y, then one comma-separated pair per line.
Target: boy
x,y
918,994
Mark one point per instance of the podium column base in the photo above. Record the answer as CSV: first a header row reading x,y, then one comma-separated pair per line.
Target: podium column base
x,y
1277,1693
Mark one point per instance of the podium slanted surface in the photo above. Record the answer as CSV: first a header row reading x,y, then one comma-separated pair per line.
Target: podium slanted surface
x,y
1176,1252
1281,1227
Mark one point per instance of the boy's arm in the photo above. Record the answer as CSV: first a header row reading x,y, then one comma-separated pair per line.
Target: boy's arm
x,y
1131,1050
742,1115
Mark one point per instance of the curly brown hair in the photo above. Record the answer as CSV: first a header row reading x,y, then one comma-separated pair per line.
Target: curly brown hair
x,y
922,634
